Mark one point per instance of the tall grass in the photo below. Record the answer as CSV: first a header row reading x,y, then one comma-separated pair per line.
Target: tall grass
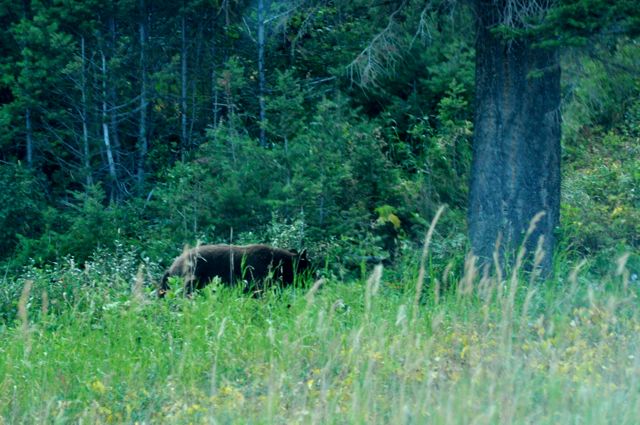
x,y
489,350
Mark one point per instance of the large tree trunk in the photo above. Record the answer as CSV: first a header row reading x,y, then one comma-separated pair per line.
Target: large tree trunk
x,y
516,147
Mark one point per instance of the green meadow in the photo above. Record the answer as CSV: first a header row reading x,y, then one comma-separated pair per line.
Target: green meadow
x,y
96,346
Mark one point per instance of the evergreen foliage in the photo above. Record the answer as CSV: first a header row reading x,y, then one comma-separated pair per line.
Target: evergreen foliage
x,y
342,156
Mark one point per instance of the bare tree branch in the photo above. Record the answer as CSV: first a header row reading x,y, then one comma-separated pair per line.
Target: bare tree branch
x,y
524,13
379,56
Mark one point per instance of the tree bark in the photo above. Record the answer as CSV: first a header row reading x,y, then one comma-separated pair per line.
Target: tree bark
x,y
516,147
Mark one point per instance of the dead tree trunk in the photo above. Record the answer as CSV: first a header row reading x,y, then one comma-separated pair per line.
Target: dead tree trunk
x,y
113,179
113,96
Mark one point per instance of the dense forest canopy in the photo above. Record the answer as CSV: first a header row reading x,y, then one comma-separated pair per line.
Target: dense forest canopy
x,y
341,125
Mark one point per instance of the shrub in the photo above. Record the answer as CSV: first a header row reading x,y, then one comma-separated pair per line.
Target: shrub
x,y
22,206
85,225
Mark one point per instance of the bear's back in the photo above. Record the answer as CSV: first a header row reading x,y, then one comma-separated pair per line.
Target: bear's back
x,y
232,263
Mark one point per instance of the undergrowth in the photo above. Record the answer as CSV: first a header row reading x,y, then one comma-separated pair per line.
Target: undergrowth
x,y
103,349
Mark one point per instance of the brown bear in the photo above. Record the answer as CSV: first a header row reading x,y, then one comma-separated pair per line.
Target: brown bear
x,y
235,264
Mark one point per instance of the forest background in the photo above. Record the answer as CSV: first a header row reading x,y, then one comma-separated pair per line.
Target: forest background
x,y
340,126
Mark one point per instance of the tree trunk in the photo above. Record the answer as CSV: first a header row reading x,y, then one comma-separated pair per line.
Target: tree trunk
x,y
113,180
261,77
29,136
86,159
225,6
516,147
26,5
113,97
215,108
142,128
194,106
183,79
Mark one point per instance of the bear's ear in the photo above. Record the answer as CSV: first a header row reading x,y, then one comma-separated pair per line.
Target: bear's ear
x,y
303,254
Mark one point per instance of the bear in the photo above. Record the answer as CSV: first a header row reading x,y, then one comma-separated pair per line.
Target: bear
x,y
235,264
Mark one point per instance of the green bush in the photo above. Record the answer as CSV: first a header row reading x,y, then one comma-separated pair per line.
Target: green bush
x,y
329,177
22,206
600,213
225,189
106,276
84,225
